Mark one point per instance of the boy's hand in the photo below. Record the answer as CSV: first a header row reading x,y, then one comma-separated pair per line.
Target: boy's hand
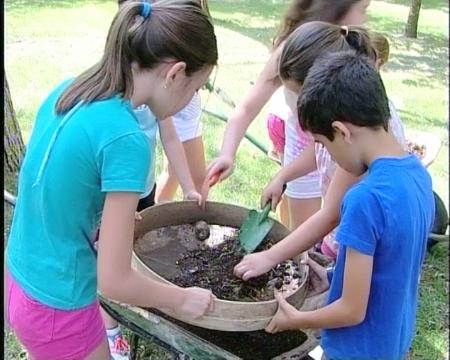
x,y
137,216
193,195
318,280
196,302
253,265
273,193
285,318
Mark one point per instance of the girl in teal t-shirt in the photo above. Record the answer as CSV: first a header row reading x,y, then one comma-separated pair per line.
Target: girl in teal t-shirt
x,y
88,153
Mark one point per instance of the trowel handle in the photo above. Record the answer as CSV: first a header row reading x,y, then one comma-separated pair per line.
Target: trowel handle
x,y
268,205
266,209
265,212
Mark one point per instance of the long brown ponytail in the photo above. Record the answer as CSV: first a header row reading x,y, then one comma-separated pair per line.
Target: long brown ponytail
x,y
175,29
302,11
315,38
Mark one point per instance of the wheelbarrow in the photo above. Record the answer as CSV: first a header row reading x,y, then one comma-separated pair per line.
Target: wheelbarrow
x,y
234,329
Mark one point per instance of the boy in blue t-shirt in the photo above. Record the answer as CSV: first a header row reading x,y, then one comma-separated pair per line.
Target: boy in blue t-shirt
x,y
385,218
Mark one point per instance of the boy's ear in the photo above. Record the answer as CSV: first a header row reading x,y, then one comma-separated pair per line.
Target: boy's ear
x,y
379,63
342,130
176,69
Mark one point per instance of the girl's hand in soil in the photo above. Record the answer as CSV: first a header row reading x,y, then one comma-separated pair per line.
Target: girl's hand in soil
x,y
253,265
193,195
196,302
286,318
273,192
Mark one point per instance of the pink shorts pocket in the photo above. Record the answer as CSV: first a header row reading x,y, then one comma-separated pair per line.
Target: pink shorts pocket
x,y
53,334
29,318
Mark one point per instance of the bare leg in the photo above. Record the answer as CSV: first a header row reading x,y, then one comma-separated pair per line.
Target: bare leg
x,y
101,352
110,323
301,209
168,183
283,209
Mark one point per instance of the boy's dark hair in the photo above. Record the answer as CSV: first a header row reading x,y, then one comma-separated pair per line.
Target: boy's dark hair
x,y
342,86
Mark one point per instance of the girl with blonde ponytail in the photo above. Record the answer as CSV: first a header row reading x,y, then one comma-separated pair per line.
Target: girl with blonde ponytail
x,y
88,160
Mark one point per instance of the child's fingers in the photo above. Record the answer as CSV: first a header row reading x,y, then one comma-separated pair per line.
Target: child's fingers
x,y
271,327
280,298
316,267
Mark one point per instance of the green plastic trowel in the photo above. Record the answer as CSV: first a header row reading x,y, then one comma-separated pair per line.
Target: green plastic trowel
x,y
254,229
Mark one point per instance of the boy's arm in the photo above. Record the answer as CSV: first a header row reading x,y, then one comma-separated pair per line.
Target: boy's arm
x,y
348,310
319,224
175,154
305,236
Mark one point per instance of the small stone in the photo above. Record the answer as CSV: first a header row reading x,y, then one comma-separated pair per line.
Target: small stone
x,y
202,231
193,270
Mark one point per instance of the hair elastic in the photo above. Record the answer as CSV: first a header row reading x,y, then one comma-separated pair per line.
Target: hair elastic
x,y
344,30
146,9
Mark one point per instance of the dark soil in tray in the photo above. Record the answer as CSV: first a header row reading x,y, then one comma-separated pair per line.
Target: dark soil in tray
x,y
212,268
177,254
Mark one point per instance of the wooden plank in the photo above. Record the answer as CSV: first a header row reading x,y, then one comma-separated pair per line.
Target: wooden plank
x,y
171,334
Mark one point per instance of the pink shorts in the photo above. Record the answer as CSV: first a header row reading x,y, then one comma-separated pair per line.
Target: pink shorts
x,y
328,249
52,334
275,126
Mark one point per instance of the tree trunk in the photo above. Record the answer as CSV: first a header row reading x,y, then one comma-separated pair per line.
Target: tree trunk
x,y
13,142
413,19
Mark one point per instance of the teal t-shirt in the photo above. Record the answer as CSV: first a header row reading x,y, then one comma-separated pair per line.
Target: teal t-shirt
x,y
71,162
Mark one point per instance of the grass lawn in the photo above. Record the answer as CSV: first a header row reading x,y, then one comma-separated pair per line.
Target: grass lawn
x,y
49,40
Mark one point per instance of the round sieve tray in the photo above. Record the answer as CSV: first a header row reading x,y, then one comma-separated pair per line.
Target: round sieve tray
x,y
226,315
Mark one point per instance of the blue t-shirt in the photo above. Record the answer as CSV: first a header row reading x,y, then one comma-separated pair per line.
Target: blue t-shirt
x,y
387,215
72,161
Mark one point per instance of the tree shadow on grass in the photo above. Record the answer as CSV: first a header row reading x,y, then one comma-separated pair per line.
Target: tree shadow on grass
x,y
427,63
440,5
426,57
234,15
30,4
422,122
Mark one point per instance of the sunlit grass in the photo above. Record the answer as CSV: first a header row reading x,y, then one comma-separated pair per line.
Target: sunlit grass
x,y
49,40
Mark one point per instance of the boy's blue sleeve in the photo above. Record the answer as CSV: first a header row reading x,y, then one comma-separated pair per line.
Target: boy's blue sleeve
x,y
124,164
362,220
